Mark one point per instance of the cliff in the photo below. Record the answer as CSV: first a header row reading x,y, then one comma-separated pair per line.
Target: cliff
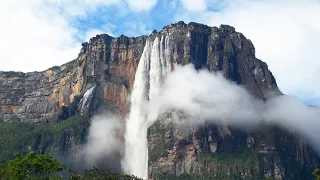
x,y
101,79
105,64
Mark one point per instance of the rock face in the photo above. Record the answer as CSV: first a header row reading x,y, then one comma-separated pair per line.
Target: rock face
x,y
101,79
105,62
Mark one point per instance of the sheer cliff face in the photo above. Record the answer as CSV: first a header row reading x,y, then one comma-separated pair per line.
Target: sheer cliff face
x,y
110,64
104,68
101,79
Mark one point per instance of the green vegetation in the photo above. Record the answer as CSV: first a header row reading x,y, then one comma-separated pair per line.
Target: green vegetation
x,y
160,150
183,177
33,167
101,174
232,163
45,137
316,173
44,167
161,145
245,157
187,177
3,172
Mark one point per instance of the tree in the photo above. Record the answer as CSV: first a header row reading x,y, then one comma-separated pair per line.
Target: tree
x,y
34,167
100,174
73,175
316,173
3,172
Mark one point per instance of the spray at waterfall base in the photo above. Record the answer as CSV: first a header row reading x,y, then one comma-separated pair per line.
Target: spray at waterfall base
x,y
203,96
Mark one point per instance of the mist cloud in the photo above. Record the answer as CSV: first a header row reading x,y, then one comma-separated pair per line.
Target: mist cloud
x,y
104,145
290,113
204,96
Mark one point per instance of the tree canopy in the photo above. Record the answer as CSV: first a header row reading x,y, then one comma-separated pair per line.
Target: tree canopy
x,y
101,174
44,167
33,167
316,173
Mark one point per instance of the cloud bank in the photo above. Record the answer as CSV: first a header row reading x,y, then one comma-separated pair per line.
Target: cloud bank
x,y
37,35
104,145
208,97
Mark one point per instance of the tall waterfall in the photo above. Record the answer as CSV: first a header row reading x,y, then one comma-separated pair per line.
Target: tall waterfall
x,y
153,66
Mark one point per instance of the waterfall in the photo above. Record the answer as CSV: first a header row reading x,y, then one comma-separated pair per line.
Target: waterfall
x,y
167,53
83,102
136,131
153,66
155,73
165,56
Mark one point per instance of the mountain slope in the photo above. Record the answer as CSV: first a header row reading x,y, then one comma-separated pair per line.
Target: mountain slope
x,y
101,78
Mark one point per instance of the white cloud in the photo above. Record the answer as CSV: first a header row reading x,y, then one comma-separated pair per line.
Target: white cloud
x,y
79,7
192,5
141,5
37,34
136,29
106,29
285,34
30,41
92,33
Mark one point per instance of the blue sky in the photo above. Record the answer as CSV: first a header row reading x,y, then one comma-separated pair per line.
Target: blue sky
x,y
37,34
120,19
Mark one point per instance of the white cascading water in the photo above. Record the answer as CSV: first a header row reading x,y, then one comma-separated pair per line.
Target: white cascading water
x,y
155,73
135,148
84,100
167,64
156,54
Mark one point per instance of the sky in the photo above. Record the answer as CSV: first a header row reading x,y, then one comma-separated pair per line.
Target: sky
x,y
38,34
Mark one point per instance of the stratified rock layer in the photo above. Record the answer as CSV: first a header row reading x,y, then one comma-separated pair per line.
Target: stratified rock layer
x,y
107,62
101,79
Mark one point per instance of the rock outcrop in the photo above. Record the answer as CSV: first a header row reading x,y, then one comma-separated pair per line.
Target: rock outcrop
x,y
101,79
105,62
